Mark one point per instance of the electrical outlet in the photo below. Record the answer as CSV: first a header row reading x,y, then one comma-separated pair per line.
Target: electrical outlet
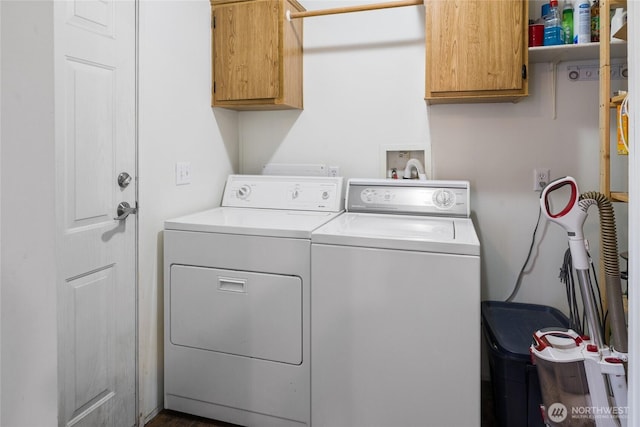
x,y
541,177
334,170
183,173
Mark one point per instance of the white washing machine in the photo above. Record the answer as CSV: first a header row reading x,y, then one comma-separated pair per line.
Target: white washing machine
x,y
237,301
395,308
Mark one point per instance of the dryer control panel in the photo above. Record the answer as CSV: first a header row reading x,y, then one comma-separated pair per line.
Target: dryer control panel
x,y
310,193
410,197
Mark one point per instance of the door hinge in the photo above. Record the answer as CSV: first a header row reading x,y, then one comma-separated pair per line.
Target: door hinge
x,y
524,71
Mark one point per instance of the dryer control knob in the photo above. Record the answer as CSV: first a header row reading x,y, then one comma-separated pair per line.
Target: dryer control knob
x,y
243,192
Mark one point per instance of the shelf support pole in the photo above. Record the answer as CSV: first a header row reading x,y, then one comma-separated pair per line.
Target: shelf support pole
x,y
605,123
605,99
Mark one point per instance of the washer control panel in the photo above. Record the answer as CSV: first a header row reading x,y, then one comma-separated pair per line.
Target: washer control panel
x,y
313,193
439,198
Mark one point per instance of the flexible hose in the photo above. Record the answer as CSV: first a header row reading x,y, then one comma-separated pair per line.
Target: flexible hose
x,y
611,269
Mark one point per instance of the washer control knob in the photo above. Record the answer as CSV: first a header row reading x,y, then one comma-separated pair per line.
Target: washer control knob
x,y
367,195
295,193
325,195
444,199
243,192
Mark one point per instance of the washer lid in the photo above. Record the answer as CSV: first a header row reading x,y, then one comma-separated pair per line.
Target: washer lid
x,y
253,222
402,232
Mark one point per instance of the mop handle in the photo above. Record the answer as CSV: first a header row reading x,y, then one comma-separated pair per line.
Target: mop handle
x,y
571,218
556,185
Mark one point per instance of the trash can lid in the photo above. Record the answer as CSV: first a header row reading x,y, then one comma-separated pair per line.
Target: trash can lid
x,y
512,324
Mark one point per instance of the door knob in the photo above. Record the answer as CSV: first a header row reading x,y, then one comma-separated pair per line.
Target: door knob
x,y
124,179
124,210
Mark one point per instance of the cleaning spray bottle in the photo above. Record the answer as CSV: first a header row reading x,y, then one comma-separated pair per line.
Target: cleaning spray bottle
x,y
582,22
567,23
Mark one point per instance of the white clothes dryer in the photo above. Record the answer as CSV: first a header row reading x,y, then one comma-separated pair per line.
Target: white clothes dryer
x,y
237,301
395,308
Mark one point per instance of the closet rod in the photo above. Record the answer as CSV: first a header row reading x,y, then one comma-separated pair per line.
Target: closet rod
x,y
347,9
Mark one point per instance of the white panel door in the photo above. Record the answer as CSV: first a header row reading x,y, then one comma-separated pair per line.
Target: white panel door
x,y
95,81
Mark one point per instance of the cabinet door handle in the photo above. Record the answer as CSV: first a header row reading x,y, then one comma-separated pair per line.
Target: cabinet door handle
x,y
524,71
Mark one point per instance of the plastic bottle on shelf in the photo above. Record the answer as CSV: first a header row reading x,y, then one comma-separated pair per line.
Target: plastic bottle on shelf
x,y
595,21
553,25
582,22
544,11
567,23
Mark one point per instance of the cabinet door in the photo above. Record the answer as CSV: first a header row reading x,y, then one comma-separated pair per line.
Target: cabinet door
x,y
246,51
476,48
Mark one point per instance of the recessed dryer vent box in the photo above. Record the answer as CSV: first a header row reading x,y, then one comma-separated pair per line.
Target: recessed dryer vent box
x,y
592,72
395,158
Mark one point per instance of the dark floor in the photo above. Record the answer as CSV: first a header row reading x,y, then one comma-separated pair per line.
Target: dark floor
x,y
168,418
176,419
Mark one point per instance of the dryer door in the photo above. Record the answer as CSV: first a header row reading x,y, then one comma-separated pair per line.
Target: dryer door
x,y
247,314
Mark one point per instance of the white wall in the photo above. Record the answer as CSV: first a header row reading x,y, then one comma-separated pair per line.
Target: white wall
x,y
176,123
364,87
29,319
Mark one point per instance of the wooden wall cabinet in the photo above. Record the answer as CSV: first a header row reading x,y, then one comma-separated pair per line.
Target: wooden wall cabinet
x,y
476,51
256,55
